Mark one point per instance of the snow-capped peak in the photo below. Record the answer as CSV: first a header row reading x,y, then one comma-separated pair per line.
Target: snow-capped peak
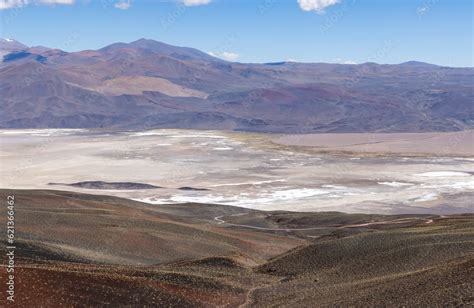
x,y
9,40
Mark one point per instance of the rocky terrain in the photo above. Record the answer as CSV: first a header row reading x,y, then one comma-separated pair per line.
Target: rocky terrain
x,y
149,84
91,250
108,185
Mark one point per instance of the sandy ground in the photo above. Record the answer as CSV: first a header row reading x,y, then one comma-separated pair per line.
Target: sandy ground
x,y
247,170
440,144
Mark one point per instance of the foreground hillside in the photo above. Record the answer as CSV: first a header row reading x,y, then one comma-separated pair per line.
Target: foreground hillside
x,y
88,250
148,84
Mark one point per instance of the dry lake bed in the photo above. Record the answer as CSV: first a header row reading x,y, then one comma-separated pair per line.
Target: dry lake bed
x,y
361,173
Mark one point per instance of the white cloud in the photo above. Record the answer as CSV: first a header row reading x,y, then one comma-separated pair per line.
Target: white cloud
x,y
229,56
316,5
342,61
195,2
123,4
8,4
422,10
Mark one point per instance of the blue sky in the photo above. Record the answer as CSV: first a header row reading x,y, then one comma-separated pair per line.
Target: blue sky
x,y
344,31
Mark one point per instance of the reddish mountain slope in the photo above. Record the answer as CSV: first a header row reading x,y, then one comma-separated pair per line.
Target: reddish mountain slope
x,y
147,84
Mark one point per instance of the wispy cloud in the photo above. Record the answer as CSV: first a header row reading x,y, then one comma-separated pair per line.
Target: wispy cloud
x,y
8,4
229,56
349,62
123,4
195,2
343,61
316,5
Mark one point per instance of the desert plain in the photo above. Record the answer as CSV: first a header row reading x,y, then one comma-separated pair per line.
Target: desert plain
x,y
354,173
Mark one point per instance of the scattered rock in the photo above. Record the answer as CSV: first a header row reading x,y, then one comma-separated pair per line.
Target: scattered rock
x,y
193,188
109,185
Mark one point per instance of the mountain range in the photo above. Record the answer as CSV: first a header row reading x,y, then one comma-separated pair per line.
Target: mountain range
x,y
149,84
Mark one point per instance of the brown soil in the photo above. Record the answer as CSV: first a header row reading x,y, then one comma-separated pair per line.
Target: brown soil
x,y
87,250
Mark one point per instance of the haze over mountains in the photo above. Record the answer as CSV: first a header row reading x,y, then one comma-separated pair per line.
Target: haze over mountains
x,y
149,84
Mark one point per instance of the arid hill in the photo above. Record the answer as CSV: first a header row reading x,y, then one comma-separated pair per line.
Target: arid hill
x,y
149,84
122,252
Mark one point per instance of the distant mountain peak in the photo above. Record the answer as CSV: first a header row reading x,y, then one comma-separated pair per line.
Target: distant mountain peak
x,y
10,45
152,46
149,44
418,64
145,40
10,41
